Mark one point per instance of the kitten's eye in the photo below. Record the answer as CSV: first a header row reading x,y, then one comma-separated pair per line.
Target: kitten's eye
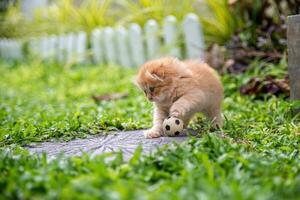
x,y
151,89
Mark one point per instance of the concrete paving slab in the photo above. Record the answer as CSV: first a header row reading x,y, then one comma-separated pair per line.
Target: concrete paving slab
x,y
126,141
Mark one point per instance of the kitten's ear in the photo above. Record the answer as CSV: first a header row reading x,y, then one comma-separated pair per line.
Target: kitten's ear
x,y
155,76
158,77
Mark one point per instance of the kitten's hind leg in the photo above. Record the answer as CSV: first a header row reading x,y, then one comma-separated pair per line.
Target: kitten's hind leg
x,y
215,116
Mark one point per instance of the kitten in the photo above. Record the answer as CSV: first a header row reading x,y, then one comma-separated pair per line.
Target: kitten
x,y
180,89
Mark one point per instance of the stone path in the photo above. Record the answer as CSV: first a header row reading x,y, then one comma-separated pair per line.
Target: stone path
x,y
126,141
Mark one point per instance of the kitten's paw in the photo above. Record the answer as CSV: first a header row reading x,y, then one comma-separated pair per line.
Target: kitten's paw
x,y
152,134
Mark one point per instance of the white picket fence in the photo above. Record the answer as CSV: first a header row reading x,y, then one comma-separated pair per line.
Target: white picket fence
x,y
124,46
11,49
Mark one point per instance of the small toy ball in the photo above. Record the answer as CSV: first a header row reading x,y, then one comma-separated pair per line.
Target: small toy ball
x,y
172,126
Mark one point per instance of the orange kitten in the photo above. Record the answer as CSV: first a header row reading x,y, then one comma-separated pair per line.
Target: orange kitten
x,y
180,89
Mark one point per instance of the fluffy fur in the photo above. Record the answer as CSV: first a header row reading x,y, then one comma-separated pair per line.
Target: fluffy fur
x,y
180,89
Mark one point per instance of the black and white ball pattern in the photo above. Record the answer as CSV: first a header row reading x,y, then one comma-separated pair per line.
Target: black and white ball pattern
x,y
172,126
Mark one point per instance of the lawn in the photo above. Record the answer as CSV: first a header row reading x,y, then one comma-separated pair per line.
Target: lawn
x,y
255,156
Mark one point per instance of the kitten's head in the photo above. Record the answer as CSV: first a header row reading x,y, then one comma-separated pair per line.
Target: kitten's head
x,y
157,78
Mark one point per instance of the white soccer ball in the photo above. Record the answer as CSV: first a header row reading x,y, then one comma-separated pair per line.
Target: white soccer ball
x,y
172,126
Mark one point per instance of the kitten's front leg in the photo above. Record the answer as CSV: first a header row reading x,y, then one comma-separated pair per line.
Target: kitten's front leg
x,y
159,115
184,108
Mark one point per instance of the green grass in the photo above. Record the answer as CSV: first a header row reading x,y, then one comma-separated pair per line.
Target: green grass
x,y
258,158
39,102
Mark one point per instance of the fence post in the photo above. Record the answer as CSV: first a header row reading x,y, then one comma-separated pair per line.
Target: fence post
x,y
14,49
70,46
4,48
44,48
31,45
152,39
123,47
193,36
7,49
34,46
81,47
293,40
136,44
1,48
18,44
52,46
61,56
171,36
11,49
109,45
97,48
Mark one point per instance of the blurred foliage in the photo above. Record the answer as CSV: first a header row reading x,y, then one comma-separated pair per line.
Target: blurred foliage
x,y
265,22
259,23
4,4
219,21
261,35
63,16
66,16
12,23
142,10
